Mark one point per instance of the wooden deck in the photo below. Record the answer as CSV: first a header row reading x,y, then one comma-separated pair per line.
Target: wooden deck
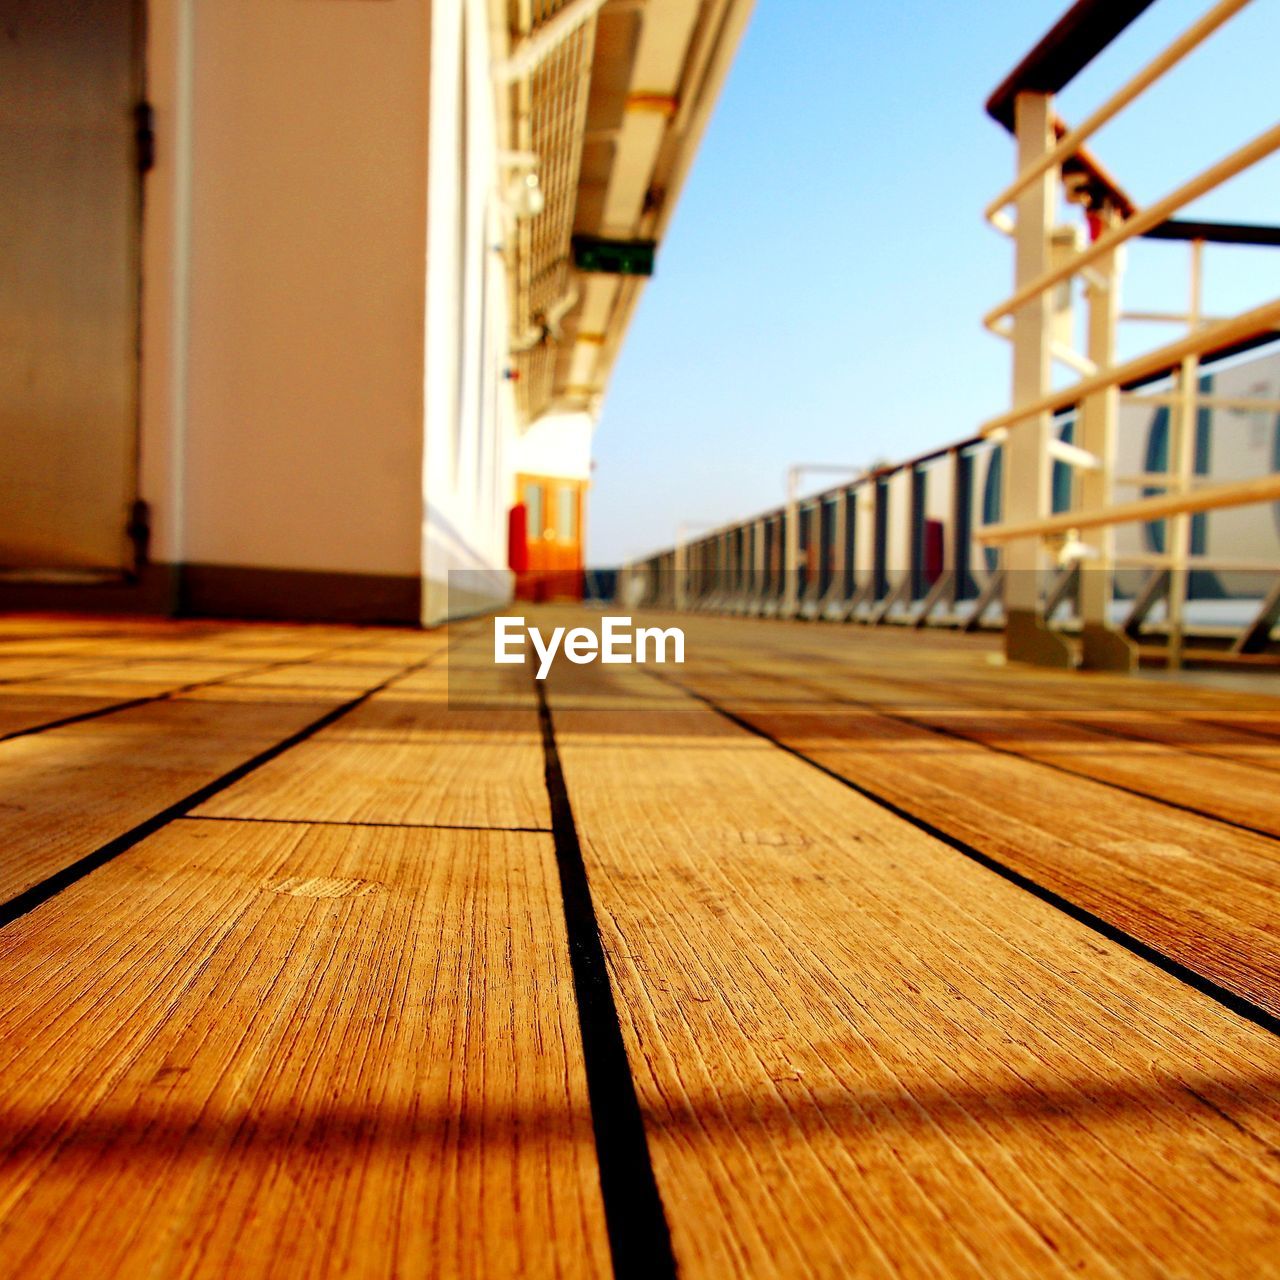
x,y
830,953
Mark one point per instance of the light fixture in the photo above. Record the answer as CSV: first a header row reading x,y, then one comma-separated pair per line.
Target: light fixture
x,y
524,195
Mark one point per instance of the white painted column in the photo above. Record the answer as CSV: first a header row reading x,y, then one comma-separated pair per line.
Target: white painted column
x,y
1026,470
1102,646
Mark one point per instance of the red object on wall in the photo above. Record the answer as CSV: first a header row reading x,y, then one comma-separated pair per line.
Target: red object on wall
x,y
518,538
933,551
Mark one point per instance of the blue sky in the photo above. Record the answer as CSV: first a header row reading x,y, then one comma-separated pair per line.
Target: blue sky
x,y
819,293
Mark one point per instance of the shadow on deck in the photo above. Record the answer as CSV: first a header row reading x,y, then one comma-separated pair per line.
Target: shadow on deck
x,y
335,951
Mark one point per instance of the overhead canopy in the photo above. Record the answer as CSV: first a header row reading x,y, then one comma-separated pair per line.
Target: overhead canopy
x,y
614,112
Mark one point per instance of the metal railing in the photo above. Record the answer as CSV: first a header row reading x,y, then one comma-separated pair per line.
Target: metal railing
x,y
906,543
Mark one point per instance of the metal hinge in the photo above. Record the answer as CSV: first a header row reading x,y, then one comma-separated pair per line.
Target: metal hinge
x,y
144,135
138,531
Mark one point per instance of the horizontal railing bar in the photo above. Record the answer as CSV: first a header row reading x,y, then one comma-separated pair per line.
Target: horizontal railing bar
x,y
868,477
1214,176
1203,341
1246,404
1167,317
1193,36
1265,337
1248,233
1239,493
1162,560
1064,51
1156,480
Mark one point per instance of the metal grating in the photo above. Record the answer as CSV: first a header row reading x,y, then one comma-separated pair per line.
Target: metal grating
x,y
550,114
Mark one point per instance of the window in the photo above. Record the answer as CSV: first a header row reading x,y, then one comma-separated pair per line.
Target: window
x,y
567,513
533,503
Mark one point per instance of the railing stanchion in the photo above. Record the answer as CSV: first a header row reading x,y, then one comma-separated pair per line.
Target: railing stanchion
x,y
1103,646
1181,466
1026,471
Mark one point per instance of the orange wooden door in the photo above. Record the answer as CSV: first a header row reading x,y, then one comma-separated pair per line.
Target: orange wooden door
x,y
553,512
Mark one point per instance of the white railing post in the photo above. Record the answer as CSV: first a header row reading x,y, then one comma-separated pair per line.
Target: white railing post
x,y
1026,471
839,552
1102,646
791,547
1181,465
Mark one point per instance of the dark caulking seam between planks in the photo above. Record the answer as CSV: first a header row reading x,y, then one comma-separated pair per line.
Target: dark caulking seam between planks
x,y
71,673
122,667
954,735
636,1223
95,714
29,899
128,705
1230,1000
357,822
1206,715
1058,716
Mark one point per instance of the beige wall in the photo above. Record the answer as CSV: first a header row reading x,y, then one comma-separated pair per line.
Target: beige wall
x,y
324,354
284,405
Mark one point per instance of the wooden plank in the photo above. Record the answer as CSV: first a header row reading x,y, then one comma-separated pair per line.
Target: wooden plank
x,y
1196,733
1194,890
1182,713
859,1053
1160,739
1248,705
1236,790
272,1050
28,707
66,792
408,756
1235,726
1239,792
19,670
350,667
1158,720
133,676
334,677
1198,893
139,639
